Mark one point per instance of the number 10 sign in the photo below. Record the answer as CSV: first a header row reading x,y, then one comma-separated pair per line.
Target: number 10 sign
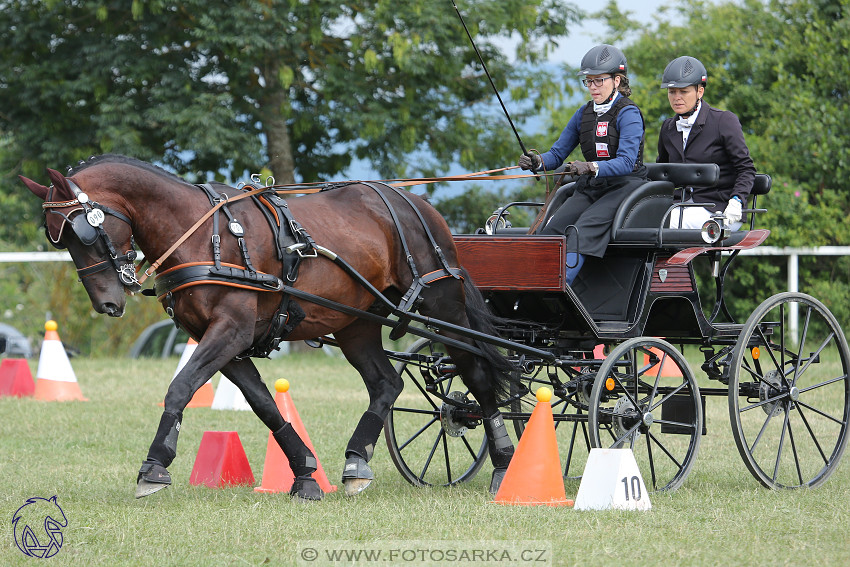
x,y
612,479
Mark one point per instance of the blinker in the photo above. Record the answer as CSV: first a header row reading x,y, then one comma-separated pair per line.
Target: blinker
x,y
84,230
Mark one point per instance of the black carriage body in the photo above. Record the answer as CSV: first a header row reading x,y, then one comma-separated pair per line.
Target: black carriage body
x,y
645,284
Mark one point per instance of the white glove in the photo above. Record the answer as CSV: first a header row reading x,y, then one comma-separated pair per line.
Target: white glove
x,y
733,211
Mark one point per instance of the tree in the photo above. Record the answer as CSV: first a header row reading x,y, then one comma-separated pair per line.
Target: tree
x,y
300,88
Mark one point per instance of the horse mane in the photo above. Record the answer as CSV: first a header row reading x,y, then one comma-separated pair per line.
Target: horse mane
x,y
117,158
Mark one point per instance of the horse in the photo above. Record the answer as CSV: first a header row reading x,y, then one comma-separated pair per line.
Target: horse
x,y
239,291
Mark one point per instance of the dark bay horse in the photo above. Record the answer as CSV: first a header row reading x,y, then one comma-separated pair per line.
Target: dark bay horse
x,y
391,238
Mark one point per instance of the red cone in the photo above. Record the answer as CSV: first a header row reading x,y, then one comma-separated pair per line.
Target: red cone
x,y
16,378
221,461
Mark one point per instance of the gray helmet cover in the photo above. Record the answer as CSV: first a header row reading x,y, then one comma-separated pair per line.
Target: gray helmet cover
x,y
683,72
603,59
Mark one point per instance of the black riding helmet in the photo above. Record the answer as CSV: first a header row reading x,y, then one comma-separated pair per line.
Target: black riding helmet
x,y
683,72
603,59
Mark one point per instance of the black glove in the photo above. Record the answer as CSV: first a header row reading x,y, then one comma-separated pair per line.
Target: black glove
x,y
532,162
580,168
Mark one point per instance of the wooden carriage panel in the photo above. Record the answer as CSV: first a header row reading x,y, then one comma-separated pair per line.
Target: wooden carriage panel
x,y
528,263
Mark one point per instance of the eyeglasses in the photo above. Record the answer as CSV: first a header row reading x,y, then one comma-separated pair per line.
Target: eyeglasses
x,y
597,82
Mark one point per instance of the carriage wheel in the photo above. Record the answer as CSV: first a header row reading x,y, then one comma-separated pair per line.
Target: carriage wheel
x,y
789,392
433,442
571,415
645,398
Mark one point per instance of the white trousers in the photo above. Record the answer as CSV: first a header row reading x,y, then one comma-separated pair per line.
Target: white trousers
x,y
694,217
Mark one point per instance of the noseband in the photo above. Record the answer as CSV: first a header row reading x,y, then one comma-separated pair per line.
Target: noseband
x,y
88,227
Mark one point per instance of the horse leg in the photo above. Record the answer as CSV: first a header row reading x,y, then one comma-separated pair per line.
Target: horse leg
x,y
301,459
485,376
222,342
361,344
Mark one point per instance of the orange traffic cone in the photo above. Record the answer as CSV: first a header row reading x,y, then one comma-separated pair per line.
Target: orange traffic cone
x,y
55,379
670,369
534,477
16,378
277,476
205,395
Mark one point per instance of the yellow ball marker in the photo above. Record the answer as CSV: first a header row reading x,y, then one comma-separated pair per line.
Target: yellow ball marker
x,y
544,394
281,385
51,325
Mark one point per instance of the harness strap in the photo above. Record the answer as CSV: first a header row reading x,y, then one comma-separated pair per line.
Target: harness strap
x,y
436,246
199,273
399,229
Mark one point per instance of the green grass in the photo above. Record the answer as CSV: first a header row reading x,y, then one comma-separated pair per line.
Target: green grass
x,y
88,454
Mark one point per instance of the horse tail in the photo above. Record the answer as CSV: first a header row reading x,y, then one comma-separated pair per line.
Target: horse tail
x,y
502,373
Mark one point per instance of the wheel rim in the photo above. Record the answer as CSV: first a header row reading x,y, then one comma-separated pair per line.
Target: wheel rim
x,y
645,398
428,439
789,392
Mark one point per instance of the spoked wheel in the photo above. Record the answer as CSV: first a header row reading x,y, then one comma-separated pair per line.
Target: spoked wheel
x,y
570,411
789,392
433,441
645,398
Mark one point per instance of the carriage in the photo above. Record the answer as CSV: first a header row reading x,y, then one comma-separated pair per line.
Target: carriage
x,y
241,269
616,341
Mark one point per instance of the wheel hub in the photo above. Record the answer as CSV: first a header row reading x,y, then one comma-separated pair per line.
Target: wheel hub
x,y
625,417
770,388
453,426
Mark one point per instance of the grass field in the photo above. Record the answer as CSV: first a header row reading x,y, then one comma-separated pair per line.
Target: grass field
x,y
88,455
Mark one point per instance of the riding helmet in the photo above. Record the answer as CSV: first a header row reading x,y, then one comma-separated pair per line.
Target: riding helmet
x,y
603,59
683,72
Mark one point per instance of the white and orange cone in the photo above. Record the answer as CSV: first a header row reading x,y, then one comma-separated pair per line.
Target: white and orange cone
x,y
55,379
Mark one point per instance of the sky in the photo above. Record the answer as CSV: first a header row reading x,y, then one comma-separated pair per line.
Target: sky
x,y
583,38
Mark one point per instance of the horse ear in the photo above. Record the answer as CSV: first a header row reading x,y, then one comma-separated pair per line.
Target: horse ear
x,y
38,189
63,191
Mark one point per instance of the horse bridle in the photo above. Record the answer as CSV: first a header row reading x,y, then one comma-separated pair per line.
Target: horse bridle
x,y
88,227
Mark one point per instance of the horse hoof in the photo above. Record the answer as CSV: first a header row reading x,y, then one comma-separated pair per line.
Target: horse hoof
x,y
152,478
145,488
356,476
306,489
354,486
496,480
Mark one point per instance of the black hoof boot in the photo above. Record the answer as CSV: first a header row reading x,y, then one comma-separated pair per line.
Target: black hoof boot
x,y
357,475
152,478
306,489
496,479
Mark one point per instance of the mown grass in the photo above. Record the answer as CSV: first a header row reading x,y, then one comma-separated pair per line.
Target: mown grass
x,y
88,454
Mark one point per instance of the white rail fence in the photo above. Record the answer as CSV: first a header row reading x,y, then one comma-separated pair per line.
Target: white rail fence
x,y
793,255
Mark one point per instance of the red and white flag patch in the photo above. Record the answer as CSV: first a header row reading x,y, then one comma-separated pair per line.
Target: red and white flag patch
x,y
602,150
601,129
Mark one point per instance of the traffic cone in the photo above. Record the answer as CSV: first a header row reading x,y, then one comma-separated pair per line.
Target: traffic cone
x,y
534,476
669,370
16,378
203,398
277,476
228,396
221,461
55,379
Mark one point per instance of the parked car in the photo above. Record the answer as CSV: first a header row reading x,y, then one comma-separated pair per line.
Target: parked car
x,y
160,340
16,344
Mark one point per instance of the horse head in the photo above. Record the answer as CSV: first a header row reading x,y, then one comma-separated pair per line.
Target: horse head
x,y
93,232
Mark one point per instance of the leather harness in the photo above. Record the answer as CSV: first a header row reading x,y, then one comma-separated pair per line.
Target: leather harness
x,y
292,245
